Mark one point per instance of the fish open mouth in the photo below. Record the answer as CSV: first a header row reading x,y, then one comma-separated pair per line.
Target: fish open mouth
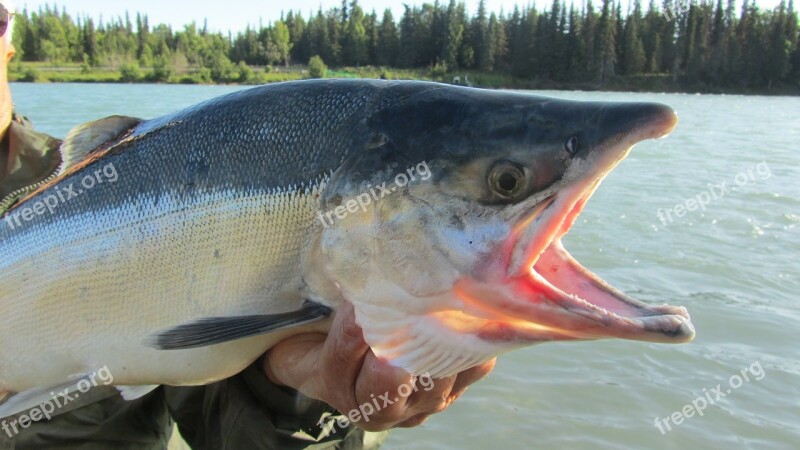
x,y
547,295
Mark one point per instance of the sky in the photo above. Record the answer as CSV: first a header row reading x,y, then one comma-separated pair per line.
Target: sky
x,y
235,15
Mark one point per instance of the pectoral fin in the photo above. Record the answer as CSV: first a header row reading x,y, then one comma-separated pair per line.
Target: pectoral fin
x,y
216,330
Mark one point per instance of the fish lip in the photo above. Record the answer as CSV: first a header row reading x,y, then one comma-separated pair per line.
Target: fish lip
x,y
541,303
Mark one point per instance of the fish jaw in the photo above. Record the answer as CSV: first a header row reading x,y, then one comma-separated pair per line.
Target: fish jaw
x,y
545,293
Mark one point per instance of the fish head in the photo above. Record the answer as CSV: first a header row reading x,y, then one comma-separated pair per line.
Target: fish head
x,y
449,241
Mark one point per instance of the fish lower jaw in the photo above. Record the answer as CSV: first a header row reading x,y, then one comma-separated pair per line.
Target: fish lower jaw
x,y
558,299
584,293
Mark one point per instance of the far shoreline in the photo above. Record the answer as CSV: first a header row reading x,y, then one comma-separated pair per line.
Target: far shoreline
x,y
39,73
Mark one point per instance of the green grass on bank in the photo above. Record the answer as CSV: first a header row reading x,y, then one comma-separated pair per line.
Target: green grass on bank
x,y
42,72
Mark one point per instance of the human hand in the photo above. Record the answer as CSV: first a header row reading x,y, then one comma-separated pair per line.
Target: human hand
x,y
340,369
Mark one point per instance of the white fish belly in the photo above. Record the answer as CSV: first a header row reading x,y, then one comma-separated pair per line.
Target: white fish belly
x,y
85,292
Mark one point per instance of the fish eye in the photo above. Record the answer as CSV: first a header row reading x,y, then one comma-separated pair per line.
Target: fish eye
x,y
507,179
571,146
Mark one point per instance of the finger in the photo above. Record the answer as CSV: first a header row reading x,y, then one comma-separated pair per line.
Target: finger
x,y
343,355
377,391
470,376
438,394
415,421
430,396
378,377
291,362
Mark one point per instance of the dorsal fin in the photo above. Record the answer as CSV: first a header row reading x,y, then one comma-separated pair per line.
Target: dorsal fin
x,y
82,140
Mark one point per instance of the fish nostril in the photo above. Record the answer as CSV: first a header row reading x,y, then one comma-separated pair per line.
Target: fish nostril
x,y
571,146
378,140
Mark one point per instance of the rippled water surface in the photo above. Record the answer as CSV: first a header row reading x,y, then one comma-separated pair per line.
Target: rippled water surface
x,y
735,265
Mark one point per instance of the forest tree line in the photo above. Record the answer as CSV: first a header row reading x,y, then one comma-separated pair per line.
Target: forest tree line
x,y
695,42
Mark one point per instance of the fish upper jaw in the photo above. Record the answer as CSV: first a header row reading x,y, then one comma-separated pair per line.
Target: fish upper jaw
x,y
553,216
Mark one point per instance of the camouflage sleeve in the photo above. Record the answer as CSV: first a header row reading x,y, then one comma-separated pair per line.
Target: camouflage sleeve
x,y
27,159
105,422
248,411
245,411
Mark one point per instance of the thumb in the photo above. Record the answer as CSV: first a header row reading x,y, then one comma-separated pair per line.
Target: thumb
x,y
291,362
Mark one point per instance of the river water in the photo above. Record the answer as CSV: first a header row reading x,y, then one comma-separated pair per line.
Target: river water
x,y
735,264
